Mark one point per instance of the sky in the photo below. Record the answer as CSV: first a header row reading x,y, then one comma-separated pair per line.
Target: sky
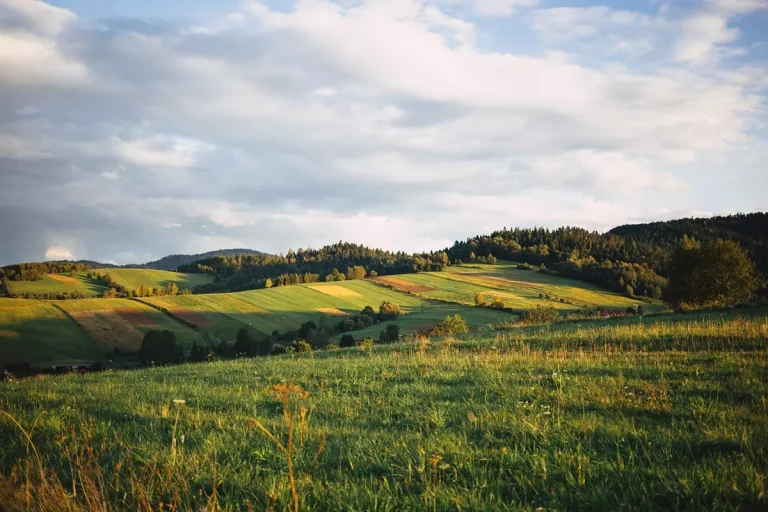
x,y
133,129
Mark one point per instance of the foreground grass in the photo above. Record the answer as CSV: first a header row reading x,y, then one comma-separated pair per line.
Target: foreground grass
x,y
513,421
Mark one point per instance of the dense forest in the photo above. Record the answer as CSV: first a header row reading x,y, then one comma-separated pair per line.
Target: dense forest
x,y
335,262
632,259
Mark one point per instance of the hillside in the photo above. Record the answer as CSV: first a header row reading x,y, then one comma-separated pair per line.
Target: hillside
x,y
208,319
638,414
133,278
174,261
53,285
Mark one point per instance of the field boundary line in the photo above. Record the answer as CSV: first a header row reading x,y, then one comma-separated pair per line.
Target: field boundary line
x,y
72,319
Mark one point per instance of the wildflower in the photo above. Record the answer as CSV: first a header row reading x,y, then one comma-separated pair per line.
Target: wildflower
x,y
179,401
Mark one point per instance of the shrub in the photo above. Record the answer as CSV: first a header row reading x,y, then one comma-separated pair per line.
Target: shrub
x,y
277,349
523,266
479,299
540,315
368,311
347,341
160,347
388,311
331,346
390,334
301,346
451,325
366,343
497,302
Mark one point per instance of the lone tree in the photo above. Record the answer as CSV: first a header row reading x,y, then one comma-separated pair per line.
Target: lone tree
x,y
717,273
160,347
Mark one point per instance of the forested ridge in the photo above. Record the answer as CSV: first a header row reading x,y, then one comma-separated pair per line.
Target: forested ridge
x,y
335,262
632,259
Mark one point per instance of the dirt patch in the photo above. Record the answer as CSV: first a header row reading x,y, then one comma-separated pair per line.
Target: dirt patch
x,y
191,317
331,311
63,279
135,318
335,291
402,285
5,333
110,329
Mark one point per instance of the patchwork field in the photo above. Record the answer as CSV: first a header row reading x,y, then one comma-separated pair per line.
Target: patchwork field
x,y
40,334
132,278
519,289
58,283
662,413
121,323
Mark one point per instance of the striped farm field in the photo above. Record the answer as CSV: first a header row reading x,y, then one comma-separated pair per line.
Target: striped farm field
x,y
281,309
519,289
122,323
221,315
39,333
58,283
133,278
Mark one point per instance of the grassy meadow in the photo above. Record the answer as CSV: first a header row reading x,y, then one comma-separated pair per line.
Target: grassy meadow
x,y
41,334
59,283
666,412
132,278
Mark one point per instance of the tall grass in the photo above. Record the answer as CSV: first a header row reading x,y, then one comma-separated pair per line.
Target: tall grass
x,y
522,419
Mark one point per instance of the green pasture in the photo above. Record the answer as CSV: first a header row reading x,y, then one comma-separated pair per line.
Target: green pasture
x,y
666,414
40,334
133,278
58,283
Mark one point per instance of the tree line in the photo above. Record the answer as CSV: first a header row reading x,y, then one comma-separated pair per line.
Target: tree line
x,y
338,262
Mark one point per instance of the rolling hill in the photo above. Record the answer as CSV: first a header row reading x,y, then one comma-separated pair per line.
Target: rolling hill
x,y
91,329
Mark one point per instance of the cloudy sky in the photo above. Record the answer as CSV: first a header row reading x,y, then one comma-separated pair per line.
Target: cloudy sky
x,y
132,129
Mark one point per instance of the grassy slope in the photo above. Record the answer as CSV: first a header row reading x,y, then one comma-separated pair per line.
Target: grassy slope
x,y
111,328
516,423
40,333
132,278
129,277
518,289
49,284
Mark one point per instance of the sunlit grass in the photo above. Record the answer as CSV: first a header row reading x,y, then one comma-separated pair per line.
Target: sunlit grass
x,y
658,413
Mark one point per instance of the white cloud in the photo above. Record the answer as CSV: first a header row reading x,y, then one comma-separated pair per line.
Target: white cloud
x,y
38,15
707,30
58,253
18,148
495,7
158,151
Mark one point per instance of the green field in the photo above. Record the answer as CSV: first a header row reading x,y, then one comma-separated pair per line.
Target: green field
x,y
40,334
132,278
424,298
656,413
122,323
59,283
519,289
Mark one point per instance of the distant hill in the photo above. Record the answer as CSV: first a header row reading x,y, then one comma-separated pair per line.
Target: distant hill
x,y
174,261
